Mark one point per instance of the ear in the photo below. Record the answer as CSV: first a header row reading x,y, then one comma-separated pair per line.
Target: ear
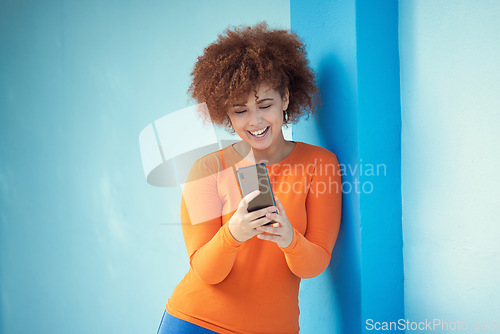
x,y
229,125
286,99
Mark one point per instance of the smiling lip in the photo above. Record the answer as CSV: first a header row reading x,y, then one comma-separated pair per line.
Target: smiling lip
x,y
262,136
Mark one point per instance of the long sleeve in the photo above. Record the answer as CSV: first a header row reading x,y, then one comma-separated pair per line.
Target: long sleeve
x,y
211,247
227,287
309,255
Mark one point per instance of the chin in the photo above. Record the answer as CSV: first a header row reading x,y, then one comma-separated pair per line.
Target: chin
x,y
260,146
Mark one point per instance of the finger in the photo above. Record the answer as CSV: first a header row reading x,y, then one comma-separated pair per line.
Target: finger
x,y
261,212
267,221
260,222
271,229
271,237
279,205
275,216
248,198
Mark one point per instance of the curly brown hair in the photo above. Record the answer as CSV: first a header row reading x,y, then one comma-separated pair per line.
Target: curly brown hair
x,y
243,58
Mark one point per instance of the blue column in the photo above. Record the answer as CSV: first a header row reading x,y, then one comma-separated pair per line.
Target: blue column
x,y
379,143
353,47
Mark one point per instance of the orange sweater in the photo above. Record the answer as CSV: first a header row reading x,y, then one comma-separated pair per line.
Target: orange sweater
x,y
252,287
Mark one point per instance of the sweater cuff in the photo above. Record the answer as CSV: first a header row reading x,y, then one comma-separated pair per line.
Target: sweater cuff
x,y
294,244
228,238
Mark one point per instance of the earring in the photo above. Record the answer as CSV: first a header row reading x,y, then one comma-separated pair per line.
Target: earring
x,y
285,116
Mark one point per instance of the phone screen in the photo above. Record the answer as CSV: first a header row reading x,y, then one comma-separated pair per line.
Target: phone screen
x,y
252,178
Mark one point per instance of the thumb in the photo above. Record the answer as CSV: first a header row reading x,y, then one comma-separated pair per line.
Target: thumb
x,y
280,207
248,198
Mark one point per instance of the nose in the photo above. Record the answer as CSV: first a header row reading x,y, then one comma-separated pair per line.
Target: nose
x,y
255,117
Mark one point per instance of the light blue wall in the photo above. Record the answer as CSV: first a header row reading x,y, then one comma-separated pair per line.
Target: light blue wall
x,y
450,84
87,246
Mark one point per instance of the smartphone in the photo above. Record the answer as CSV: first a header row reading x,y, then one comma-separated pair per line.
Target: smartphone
x,y
255,177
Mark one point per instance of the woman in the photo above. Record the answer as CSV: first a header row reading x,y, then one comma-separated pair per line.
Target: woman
x,y
244,277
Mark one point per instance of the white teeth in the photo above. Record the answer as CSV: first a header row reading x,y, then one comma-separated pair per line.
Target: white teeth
x,y
258,133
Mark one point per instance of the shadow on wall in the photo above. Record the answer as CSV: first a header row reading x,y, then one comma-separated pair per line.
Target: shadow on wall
x,y
337,129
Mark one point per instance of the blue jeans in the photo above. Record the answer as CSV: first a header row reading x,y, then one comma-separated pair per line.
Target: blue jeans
x,y
172,325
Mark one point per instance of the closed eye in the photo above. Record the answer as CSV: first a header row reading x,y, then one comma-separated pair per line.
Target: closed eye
x,y
240,111
266,107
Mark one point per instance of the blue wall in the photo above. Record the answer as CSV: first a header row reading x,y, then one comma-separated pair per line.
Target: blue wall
x,y
328,30
356,56
379,146
86,245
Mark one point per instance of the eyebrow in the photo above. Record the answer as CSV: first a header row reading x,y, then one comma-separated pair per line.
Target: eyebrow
x,y
258,102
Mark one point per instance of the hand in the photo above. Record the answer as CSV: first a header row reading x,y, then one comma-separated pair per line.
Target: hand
x,y
243,224
282,230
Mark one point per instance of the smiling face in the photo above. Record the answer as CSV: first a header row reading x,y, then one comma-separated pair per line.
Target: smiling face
x,y
258,121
